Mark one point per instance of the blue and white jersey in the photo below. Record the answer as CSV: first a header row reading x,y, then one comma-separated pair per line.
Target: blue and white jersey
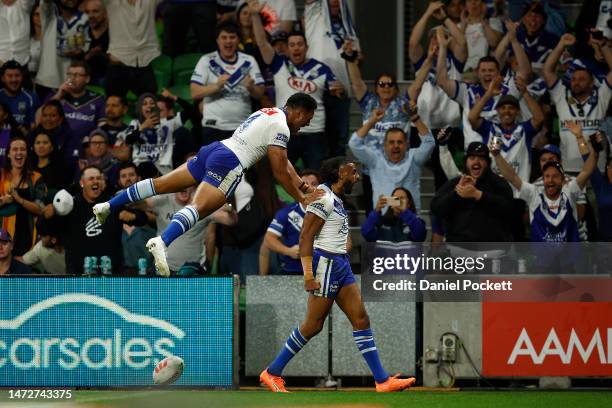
x,y
334,233
590,113
537,48
537,88
72,35
287,224
552,220
23,106
515,147
311,78
435,107
266,127
396,116
228,108
154,144
468,94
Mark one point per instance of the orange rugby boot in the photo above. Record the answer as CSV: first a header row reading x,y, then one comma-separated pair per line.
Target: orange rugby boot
x,y
273,382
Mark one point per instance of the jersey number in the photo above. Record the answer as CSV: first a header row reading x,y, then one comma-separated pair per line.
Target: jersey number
x,y
268,111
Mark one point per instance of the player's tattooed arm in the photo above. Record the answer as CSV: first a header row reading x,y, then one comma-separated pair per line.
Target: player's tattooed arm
x,y
310,228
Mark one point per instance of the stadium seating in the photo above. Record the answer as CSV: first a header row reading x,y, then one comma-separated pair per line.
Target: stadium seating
x,y
183,68
162,67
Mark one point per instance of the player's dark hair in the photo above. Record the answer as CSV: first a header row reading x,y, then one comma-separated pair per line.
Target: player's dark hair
x,y
81,64
330,168
487,58
310,172
302,100
227,26
296,33
397,130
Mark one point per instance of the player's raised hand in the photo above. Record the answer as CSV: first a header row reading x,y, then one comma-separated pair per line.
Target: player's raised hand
x,y
311,284
567,40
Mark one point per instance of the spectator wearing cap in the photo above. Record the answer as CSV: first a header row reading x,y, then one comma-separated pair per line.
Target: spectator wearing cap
x,y
21,102
583,101
84,109
467,94
552,213
48,253
511,137
98,153
8,264
473,207
15,31
399,223
22,192
536,41
397,164
132,46
327,24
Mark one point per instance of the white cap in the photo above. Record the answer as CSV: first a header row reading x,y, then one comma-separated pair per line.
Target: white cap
x,y
63,202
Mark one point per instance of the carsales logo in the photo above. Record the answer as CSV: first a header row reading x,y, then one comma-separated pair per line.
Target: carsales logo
x,y
302,85
74,351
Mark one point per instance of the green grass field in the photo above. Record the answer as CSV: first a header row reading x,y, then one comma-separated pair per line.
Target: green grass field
x,y
337,399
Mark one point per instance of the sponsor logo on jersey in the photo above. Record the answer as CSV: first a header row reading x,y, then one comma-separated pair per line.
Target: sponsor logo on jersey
x,y
281,137
302,85
214,175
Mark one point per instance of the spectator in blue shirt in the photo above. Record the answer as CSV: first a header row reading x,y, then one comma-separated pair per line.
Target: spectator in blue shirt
x,y
537,42
398,224
283,234
396,165
21,102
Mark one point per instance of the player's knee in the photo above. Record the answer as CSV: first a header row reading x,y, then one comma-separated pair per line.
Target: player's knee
x,y
311,329
362,322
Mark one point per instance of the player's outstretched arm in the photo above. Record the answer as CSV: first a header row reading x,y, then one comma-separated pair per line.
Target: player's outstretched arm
x,y
310,228
285,174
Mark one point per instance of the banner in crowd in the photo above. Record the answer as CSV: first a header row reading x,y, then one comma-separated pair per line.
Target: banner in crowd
x,y
547,339
99,332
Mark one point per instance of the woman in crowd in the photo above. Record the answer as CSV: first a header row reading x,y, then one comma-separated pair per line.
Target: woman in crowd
x,y
22,192
8,130
398,224
47,162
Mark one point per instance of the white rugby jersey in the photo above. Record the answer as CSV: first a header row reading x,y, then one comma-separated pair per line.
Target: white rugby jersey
x,y
435,107
468,94
590,114
311,78
334,233
263,128
228,108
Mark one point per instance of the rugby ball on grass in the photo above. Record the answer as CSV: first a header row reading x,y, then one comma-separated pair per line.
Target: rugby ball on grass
x,y
168,370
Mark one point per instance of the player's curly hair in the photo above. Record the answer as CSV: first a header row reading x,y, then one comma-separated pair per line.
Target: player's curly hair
x,y
302,100
330,167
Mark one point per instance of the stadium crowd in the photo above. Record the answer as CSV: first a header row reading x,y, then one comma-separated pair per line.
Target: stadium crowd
x,y
508,107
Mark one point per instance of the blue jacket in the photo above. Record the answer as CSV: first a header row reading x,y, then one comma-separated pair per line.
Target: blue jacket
x,y
408,227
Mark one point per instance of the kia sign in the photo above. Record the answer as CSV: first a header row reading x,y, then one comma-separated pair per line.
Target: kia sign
x,y
547,339
99,332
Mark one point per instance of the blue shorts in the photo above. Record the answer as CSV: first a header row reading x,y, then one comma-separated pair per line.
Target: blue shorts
x,y
333,271
218,166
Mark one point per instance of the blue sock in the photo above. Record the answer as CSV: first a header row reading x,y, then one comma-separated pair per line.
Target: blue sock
x,y
182,221
365,342
136,192
294,343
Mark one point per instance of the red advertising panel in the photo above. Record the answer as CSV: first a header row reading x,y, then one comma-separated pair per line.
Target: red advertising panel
x,y
547,339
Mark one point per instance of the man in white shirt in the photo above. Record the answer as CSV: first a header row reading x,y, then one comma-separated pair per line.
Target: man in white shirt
x,y
133,45
15,30
298,73
582,101
227,79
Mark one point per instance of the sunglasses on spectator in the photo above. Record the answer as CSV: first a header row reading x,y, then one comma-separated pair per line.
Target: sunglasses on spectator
x,y
386,84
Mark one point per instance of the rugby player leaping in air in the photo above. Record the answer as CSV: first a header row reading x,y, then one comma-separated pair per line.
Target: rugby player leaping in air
x,y
218,168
